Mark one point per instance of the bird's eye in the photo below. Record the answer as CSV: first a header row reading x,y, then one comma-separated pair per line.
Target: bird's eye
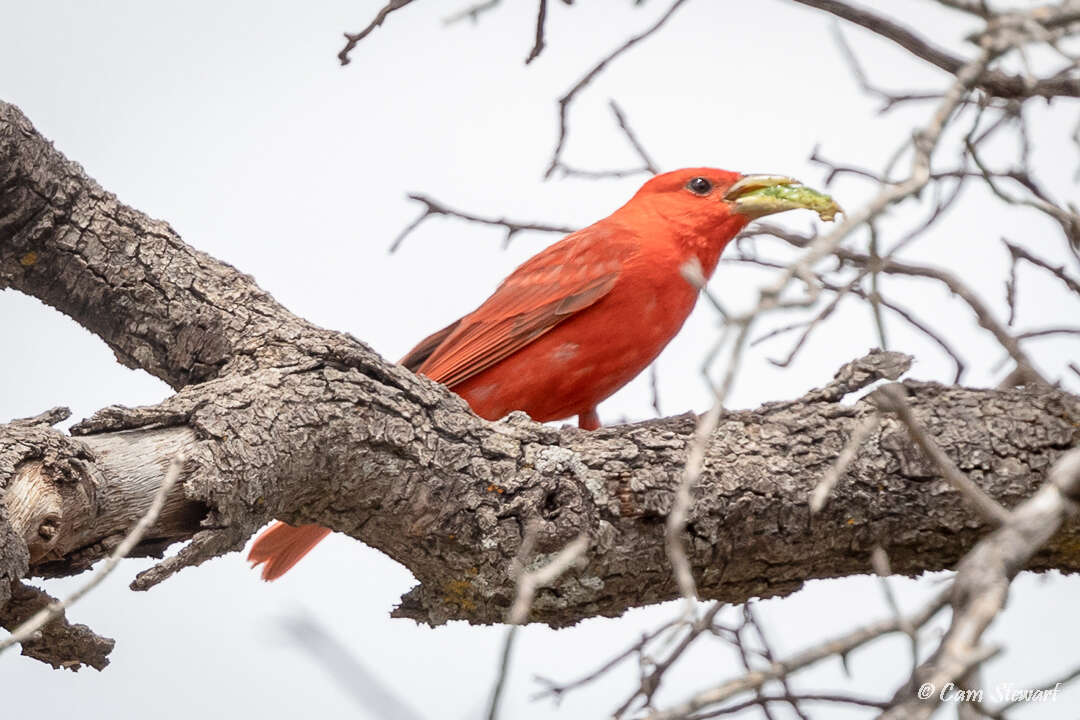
x,y
699,186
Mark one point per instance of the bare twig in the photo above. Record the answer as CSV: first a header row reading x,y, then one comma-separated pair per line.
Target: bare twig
x,y
566,99
1069,221
473,12
982,312
556,691
745,655
879,560
875,289
996,82
763,700
838,646
809,326
538,44
767,653
676,520
801,241
651,681
1019,253
620,118
1076,141
648,165
828,481
974,7
527,585
889,100
1010,291
927,140
512,227
982,581
654,389
351,39
680,504
533,580
1044,332
930,333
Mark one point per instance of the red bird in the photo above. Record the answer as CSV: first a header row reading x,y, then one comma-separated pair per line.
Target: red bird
x,y
580,319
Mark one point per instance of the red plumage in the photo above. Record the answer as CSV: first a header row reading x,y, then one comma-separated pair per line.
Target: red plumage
x,y
577,321
281,546
580,319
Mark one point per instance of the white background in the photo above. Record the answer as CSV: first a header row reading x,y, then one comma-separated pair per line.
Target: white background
x,y
234,122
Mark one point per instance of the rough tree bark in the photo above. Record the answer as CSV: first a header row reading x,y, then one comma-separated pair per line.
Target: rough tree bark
x,y
282,419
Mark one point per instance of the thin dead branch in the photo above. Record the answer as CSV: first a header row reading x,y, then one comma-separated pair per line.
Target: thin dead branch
x,y
556,162
538,44
512,227
828,481
352,39
528,582
841,645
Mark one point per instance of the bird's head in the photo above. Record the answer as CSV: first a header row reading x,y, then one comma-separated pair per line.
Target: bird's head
x,y
719,203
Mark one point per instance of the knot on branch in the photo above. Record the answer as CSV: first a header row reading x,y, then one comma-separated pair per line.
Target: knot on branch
x,y
39,467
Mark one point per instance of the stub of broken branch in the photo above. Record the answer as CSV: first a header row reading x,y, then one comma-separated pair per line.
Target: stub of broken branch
x,y
61,644
856,375
35,509
863,372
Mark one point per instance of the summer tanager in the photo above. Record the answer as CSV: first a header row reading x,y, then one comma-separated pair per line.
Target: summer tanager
x,y
580,319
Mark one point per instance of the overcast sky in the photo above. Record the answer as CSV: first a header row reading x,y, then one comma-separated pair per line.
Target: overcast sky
x,y
234,122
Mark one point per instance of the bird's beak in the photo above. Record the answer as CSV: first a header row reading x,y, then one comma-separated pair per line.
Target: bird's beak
x,y
759,195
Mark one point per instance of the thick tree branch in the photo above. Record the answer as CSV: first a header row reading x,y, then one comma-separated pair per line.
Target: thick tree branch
x,y
447,494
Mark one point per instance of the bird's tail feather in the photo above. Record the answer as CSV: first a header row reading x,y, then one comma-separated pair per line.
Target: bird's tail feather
x,y
281,546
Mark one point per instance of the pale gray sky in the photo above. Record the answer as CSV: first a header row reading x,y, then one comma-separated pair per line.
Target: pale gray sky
x,y
233,122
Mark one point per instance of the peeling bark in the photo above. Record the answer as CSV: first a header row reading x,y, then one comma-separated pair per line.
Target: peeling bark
x,y
281,419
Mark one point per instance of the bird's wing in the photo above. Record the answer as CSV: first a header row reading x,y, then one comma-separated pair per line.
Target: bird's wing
x,y
562,280
416,357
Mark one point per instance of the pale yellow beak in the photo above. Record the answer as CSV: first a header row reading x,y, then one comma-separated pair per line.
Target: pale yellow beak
x,y
756,196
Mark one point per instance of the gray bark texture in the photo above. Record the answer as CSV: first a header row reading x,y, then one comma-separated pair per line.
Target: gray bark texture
x,y
281,419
